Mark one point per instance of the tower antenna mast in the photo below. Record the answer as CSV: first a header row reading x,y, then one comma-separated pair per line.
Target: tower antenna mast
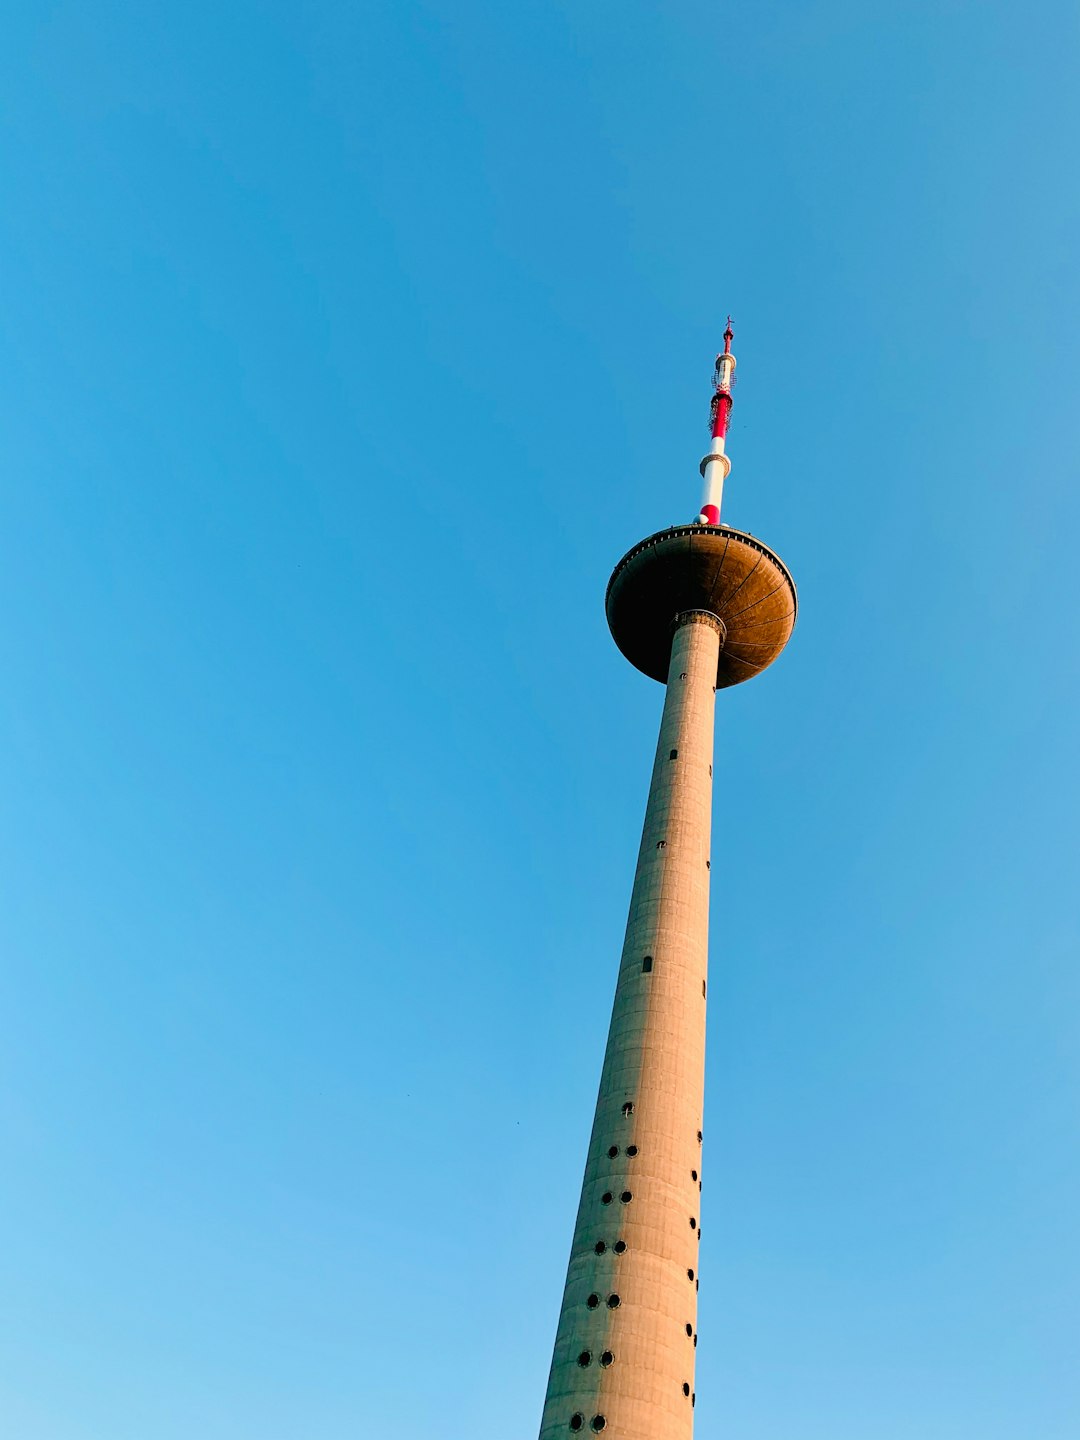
x,y
716,467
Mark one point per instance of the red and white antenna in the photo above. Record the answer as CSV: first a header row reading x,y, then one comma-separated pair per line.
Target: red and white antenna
x,y
716,467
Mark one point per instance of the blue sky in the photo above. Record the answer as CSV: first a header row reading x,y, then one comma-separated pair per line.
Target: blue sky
x,y
346,350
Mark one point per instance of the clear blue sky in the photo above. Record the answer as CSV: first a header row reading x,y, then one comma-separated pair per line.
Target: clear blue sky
x,y
346,349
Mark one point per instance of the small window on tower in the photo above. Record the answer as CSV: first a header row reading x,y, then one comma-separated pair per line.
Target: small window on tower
x,y
599,1247
646,964
619,1247
576,1422
683,675
703,989
661,844
628,1109
631,1150
674,755
612,1152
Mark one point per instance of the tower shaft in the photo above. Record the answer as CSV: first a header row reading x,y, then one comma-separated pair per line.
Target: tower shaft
x,y
625,1347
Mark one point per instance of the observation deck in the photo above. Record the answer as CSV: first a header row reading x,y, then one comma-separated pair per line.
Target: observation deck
x,y
725,572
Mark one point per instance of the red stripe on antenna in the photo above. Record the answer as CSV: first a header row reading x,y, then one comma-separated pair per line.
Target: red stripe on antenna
x,y
720,417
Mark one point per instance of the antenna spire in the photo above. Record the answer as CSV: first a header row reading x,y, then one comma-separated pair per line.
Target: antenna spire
x,y
716,467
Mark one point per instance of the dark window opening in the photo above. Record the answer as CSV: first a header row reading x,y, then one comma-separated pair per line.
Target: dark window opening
x,y
708,864
599,1423
682,675
686,1389
585,1358
661,844
646,964
576,1422
599,1247
703,989
693,1398
710,769
626,1197
689,1274
606,1198
693,1223
613,1302
631,1150
695,1342
612,1152
628,1109
697,1284
593,1301
698,1135
674,755
619,1247
689,1332
606,1358
693,1174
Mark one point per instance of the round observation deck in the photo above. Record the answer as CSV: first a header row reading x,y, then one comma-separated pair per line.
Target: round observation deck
x,y
702,567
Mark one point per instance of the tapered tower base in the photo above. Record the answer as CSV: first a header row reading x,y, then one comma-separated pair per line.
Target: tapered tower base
x,y
625,1349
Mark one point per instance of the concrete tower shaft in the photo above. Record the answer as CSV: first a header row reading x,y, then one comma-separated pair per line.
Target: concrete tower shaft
x,y
625,1348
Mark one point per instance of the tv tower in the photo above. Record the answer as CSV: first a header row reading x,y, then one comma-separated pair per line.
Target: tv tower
x,y
698,607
